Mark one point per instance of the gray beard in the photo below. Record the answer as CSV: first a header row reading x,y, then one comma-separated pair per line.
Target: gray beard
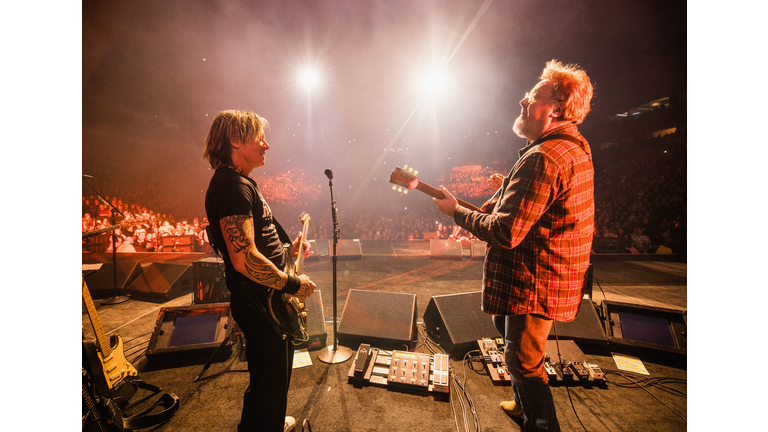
x,y
517,128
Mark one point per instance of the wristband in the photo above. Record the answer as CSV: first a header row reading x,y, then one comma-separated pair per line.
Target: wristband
x,y
292,285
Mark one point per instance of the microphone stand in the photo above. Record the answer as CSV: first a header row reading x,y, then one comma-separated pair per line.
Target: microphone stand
x,y
334,354
116,298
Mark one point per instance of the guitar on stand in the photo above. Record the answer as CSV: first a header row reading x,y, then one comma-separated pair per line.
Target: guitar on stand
x,y
287,312
116,368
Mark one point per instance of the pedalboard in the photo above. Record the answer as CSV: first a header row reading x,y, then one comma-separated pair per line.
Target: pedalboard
x,y
492,351
401,370
559,371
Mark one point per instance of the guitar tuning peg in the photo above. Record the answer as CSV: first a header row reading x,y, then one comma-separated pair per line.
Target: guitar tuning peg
x,y
405,167
394,187
415,173
405,191
400,189
410,170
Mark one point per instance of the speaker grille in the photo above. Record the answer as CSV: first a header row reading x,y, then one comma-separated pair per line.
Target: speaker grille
x,y
383,320
457,322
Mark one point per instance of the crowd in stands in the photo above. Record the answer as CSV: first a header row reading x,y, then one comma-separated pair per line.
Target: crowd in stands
x,y
640,201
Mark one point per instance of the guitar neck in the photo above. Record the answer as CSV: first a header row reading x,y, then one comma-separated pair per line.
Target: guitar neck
x,y
300,259
436,193
101,337
100,231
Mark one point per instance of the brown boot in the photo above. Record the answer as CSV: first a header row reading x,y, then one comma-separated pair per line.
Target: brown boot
x,y
512,408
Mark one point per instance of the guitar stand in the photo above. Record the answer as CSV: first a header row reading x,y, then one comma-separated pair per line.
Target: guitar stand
x,y
235,332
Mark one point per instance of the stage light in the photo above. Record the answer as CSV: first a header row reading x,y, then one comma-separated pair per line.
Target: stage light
x,y
309,78
434,82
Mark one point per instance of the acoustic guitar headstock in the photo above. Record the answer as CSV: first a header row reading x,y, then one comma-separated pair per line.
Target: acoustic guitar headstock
x,y
404,179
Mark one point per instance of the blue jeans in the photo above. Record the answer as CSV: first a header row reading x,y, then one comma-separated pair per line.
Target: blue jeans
x,y
525,338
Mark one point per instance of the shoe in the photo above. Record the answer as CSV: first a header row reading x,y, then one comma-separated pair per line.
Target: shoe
x,y
290,422
512,408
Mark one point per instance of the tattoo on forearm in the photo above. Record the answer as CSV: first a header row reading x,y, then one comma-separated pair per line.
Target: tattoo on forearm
x,y
239,233
263,271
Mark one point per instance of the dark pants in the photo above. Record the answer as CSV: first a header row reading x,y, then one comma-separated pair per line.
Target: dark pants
x,y
525,339
270,362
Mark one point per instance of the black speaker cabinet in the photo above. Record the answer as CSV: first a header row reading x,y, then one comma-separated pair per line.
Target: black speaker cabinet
x,y
161,282
348,250
102,284
190,328
585,328
209,283
380,319
456,322
318,336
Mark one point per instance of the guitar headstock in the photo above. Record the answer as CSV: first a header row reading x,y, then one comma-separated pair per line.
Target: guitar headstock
x,y
404,179
304,218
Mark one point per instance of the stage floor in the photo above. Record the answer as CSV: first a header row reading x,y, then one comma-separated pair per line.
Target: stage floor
x,y
321,392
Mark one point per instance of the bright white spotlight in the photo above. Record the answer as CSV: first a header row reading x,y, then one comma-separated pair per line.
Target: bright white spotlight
x,y
309,78
433,82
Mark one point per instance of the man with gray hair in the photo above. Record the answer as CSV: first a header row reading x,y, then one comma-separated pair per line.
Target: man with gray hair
x,y
539,235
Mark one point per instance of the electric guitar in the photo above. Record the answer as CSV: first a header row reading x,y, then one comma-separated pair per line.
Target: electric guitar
x,y
122,225
406,180
287,312
116,368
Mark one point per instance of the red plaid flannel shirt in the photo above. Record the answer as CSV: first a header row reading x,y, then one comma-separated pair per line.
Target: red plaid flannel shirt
x,y
539,235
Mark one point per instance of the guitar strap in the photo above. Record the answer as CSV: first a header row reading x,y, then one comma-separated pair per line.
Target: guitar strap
x,y
146,419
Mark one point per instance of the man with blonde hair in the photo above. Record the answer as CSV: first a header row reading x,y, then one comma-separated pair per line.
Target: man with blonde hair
x,y
252,245
539,235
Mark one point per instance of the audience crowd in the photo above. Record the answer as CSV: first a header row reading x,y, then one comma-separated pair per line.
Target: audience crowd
x,y
640,201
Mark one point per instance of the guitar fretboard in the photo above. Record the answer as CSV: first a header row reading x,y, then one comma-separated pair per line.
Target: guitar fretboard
x,y
101,337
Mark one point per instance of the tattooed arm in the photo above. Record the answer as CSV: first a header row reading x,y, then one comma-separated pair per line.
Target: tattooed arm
x,y
239,237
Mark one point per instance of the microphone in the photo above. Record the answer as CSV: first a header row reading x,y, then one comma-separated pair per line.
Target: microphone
x,y
329,174
86,176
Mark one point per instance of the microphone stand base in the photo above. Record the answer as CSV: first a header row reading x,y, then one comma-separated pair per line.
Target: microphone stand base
x,y
115,300
331,356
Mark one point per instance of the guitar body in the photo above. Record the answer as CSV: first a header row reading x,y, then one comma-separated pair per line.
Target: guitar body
x,y
115,366
287,312
110,359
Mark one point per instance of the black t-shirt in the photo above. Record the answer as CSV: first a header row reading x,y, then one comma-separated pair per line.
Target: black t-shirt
x,y
231,193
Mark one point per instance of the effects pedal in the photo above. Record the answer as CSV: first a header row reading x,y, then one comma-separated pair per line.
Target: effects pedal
x,y
579,369
595,372
362,359
565,371
551,371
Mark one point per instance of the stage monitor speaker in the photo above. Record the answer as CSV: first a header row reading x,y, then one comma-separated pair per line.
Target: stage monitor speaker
x,y
348,250
445,249
190,328
318,336
101,284
477,249
381,319
209,283
646,327
161,282
320,249
456,321
585,328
